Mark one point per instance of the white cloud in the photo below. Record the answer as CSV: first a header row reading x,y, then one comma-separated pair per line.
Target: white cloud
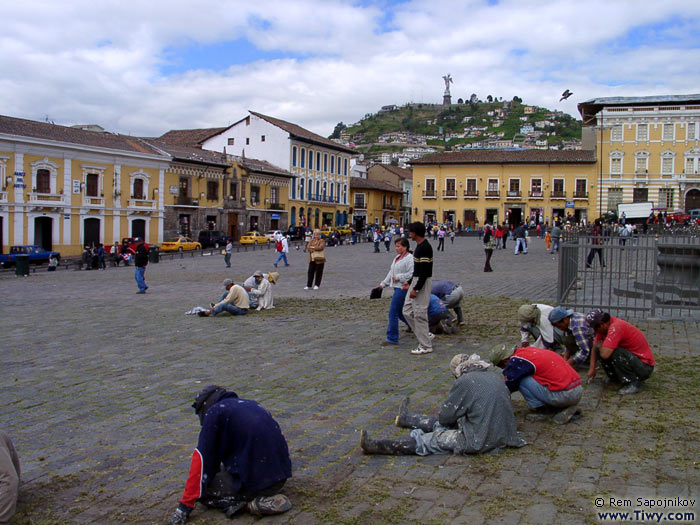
x,y
85,61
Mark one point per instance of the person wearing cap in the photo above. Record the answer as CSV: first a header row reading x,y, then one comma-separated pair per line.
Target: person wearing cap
x,y
451,294
623,351
578,334
241,460
550,386
234,301
415,308
476,417
259,288
9,478
534,322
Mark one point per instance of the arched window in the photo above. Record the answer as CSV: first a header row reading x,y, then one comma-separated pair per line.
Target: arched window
x,y
311,160
293,215
332,163
302,157
294,156
345,166
318,189
318,161
301,189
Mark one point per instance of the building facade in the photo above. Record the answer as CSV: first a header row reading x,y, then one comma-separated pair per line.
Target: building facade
x,y
320,168
401,178
375,202
648,150
63,188
495,186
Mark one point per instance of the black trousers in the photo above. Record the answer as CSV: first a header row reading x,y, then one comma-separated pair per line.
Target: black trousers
x,y
315,269
222,486
441,244
487,265
591,256
625,367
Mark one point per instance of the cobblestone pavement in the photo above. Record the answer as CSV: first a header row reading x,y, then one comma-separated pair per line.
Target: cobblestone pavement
x,y
97,382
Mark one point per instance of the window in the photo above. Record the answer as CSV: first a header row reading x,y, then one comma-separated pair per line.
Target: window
x,y
325,163
360,201
254,195
92,184
337,190
43,181
666,198
492,188
294,156
471,187
536,187
514,187
581,188
640,164
450,188
345,166
274,195
233,190
301,189
614,198
338,164
332,163
616,133
212,190
691,133
668,132
262,138
616,165
318,189
318,161
138,189
302,157
294,195
667,165
640,195
231,141
331,191
247,141
642,132
311,160
345,193
558,188
430,187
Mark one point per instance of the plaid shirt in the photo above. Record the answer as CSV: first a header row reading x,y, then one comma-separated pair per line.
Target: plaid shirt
x,y
584,335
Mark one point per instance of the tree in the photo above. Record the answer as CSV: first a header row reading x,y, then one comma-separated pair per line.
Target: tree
x,y
517,99
460,101
473,99
489,98
336,131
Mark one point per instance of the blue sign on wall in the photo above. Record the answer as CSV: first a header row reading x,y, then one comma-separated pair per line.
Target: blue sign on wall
x,y
569,204
275,216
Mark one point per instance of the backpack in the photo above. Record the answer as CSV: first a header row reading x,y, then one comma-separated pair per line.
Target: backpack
x,y
278,246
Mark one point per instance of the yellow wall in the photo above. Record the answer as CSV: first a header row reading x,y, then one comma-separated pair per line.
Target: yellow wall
x,y
376,213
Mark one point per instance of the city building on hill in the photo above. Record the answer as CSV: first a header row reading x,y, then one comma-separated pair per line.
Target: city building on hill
x,y
648,149
320,167
375,202
495,186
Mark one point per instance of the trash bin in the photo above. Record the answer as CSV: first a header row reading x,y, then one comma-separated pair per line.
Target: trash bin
x,y
21,265
153,254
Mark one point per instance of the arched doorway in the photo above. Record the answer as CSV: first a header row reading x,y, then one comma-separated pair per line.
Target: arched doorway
x,y
91,232
337,217
317,217
293,215
692,200
138,228
345,218
43,232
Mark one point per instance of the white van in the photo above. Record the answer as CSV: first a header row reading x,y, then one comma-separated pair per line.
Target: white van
x,y
694,214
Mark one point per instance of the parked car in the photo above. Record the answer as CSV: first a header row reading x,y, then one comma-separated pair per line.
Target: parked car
x,y
296,233
131,243
37,255
215,238
180,244
254,238
344,230
270,234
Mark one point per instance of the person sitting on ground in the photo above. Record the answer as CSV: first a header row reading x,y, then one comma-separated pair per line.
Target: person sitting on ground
x,y
439,319
578,334
550,386
623,351
451,294
9,478
234,301
241,460
534,322
476,417
259,288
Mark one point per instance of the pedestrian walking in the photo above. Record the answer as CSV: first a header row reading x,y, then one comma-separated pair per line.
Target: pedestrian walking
x,y
488,247
227,253
398,278
376,238
282,247
555,234
141,261
415,309
115,252
595,249
520,239
317,260
452,236
441,239
387,238
506,233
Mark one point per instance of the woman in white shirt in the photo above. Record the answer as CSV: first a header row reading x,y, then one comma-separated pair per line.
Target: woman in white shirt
x,y
398,278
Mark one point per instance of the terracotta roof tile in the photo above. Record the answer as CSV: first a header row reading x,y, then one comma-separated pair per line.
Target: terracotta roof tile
x,y
189,137
262,166
303,134
366,184
190,154
495,156
401,172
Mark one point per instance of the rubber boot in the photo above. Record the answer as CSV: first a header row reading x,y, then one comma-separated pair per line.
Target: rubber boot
x,y
391,447
269,505
405,419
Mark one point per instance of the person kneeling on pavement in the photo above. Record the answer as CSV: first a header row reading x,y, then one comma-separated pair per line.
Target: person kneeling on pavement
x,y
534,322
234,301
439,319
241,460
550,386
451,294
476,417
259,288
623,351
578,334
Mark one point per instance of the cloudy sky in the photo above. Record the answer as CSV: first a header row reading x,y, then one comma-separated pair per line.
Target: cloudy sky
x,y
149,66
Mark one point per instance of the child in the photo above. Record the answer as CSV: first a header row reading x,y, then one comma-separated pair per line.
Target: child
x,y
548,240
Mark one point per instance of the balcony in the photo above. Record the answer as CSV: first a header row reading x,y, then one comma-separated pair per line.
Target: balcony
x,y
318,197
514,194
690,174
558,195
471,194
449,194
429,194
536,195
580,195
389,207
493,194
146,204
93,201
276,206
641,174
48,198
183,200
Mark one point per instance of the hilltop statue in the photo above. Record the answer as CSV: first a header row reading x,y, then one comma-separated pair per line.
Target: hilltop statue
x,y
447,98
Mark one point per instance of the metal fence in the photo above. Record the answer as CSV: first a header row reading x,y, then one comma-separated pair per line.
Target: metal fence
x,y
653,275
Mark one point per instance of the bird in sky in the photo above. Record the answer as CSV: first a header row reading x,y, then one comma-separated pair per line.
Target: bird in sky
x,y
566,94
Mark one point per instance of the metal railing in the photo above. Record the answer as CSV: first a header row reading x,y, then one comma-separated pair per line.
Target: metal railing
x,y
652,275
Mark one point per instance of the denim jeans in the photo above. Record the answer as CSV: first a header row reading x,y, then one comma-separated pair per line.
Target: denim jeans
x,y
537,395
520,245
396,313
227,260
283,255
230,308
555,244
140,276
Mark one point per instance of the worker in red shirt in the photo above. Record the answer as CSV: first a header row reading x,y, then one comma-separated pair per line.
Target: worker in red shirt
x,y
623,351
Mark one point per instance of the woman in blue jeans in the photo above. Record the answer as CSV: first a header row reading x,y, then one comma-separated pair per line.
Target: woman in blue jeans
x,y
398,278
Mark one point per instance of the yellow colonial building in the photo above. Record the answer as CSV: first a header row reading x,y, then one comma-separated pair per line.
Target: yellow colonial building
x,y
374,202
63,188
487,186
648,149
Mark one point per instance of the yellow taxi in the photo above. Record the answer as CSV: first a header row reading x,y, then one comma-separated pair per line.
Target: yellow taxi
x,y
254,238
180,244
343,230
